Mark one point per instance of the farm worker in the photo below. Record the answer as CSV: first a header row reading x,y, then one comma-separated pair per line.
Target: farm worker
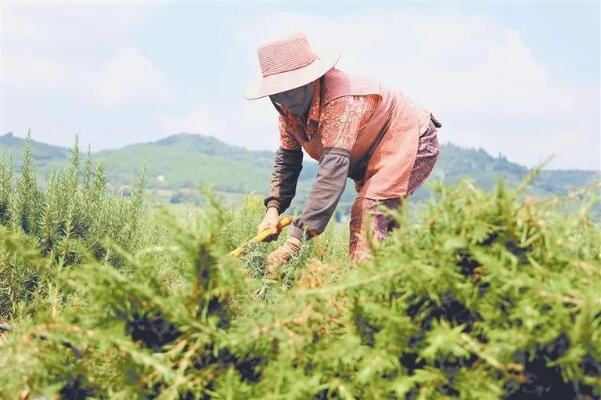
x,y
353,127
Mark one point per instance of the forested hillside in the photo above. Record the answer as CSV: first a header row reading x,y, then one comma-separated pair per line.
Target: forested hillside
x,y
176,166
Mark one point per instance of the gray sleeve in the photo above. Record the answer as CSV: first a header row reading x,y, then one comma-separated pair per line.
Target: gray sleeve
x,y
325,193
287,168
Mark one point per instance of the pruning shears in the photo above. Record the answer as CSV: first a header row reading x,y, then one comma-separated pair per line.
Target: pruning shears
x,y
261,236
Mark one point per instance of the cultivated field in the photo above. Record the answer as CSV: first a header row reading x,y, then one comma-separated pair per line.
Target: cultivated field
x,y
482,295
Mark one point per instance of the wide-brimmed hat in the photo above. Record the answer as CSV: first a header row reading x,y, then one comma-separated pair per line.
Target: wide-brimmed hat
x,y
288,63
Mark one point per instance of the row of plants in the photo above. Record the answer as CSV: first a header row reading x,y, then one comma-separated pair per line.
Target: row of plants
x,y
73,216
485,296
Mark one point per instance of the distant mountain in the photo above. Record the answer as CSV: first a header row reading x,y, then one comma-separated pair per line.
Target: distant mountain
x,y
177,165
43,154
458,162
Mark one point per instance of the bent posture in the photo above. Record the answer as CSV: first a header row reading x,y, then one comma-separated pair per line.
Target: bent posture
x,y
354,128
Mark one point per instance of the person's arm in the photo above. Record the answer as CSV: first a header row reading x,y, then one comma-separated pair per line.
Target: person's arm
x,y
287,167
286,170
325,193
339,125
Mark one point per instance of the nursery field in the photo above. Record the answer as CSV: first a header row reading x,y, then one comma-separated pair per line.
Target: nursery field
x,y
480,295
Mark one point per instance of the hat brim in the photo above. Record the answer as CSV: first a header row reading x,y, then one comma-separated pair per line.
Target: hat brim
x,y
289,80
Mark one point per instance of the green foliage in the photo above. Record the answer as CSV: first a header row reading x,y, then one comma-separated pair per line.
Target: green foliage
x,y
5,187
25,213
23,272
70,220
43,155
178,164
486,296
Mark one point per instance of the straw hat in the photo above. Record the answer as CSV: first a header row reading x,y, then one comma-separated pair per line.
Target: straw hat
x,y
288,63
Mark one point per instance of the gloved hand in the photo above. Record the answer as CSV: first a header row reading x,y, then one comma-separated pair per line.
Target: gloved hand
x,y
281,256
270,221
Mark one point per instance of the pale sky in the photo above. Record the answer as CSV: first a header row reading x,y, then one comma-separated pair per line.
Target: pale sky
x,y
521,80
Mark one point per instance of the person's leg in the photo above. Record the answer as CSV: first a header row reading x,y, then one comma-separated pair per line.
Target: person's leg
x,y
381,222
389,223
357,243
366,211
427,154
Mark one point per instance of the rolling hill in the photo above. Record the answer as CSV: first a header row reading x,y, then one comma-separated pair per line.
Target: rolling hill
x,y
177,165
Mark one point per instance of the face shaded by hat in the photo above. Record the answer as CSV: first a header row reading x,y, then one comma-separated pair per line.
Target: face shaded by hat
x,y
296,101
289,63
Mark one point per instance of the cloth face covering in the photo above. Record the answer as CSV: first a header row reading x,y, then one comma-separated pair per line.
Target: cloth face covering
x,y
296,101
